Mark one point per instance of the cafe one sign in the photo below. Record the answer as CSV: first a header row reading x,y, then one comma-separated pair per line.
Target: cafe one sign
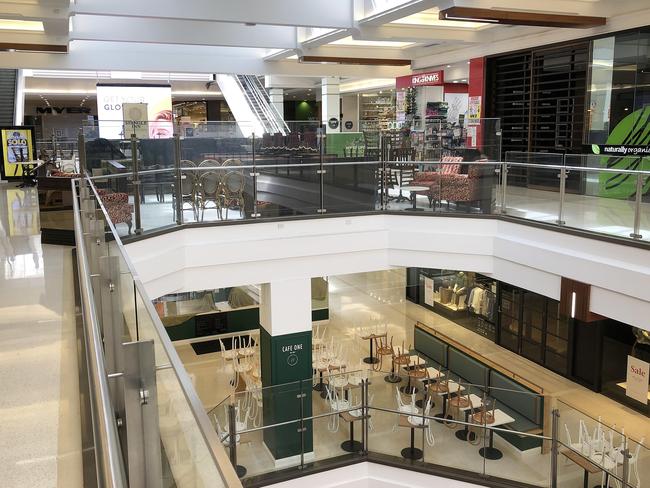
x,y
292,351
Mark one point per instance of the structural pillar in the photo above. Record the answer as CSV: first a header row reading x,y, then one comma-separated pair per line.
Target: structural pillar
x,y
19,102
286,363
331,104
277,99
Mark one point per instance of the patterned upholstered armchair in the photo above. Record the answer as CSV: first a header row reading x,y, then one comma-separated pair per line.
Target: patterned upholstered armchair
x,y
117,206
469,185
449,168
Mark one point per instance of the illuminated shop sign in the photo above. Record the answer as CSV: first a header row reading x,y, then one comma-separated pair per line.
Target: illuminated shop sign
x,y
431,78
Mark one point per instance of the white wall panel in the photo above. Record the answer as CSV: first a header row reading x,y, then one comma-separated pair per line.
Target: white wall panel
x,y
536,259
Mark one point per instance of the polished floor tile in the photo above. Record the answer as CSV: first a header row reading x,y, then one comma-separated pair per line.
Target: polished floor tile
x,y
40,438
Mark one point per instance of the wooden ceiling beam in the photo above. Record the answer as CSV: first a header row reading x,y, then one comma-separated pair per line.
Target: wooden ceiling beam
x,y
359,61
513,17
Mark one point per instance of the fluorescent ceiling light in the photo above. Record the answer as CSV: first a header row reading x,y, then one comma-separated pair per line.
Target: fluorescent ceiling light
x,y
60,91
348,41
21,25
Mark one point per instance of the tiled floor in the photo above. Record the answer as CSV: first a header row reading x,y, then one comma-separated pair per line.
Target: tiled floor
x,y
40,438
354,300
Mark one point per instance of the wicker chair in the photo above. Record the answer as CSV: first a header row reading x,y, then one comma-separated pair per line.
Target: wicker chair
x,y
232,191
208,191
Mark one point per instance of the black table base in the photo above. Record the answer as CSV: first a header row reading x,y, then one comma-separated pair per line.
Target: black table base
x,y
351,446
370,360
412,453
491,453
392,378
408,390
421,403
241,471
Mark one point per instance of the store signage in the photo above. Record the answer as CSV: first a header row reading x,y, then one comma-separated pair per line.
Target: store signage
x,y
292,351
348,124
136,120
17,148
428,291
431,78
333,123
620,150
111,98
474,109
62,110
638,373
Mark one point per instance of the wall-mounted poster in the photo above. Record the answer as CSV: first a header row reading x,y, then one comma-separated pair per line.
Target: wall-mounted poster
x,y
17,148
474,110
112,97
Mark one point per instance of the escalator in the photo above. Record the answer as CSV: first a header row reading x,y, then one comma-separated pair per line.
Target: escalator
x,y
251,105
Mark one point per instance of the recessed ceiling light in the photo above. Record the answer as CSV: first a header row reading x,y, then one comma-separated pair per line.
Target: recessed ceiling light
x,y
449,66
23,25
464,81
467,62
455,81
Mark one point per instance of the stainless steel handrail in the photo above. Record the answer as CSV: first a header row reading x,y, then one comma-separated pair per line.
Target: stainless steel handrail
x,y
208,433
108,453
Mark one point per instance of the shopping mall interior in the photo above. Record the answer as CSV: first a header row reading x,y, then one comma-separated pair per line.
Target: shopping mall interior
x,y
361,243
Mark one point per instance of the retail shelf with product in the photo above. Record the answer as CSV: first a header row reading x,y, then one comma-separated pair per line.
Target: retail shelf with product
x,y
376,113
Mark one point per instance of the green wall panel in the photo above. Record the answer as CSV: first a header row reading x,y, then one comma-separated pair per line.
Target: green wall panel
x,y
285,361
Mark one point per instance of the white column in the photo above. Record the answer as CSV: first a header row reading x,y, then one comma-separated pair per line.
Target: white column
x,y
331,102
277,100
19,100
285,306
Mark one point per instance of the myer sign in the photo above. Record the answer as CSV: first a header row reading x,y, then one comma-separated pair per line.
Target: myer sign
x,y
638,373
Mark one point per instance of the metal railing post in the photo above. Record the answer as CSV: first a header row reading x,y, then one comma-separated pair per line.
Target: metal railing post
x,y
554,447
504,185
321,172
636,233
254,175
178,192
232,435
136,184
626,465
560,215
366,416
141,412
81,148
302,428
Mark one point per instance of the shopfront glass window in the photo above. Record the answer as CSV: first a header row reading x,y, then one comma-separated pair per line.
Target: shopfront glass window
x,y
619,91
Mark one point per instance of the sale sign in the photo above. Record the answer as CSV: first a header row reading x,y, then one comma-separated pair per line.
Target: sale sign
x,y
638,372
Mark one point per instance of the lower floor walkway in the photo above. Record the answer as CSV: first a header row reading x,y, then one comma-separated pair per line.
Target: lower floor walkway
x,y
40,431
358,300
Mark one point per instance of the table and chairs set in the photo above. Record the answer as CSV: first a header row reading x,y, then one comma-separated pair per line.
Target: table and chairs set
x,y
602,451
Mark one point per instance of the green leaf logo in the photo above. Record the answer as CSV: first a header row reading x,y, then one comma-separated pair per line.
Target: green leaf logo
x,y
595,148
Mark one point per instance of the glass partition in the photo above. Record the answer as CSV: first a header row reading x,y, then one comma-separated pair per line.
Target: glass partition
x,y
188,455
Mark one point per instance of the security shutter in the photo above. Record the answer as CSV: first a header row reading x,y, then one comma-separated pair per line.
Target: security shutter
x,y
7,96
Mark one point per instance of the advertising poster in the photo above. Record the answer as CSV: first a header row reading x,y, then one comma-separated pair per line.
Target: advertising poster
x,y
428,291
474,110
136,120
637,379
110,101
17,148
400,106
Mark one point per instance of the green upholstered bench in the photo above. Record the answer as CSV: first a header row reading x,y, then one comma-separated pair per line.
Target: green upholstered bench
x,y
523,405
431,347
